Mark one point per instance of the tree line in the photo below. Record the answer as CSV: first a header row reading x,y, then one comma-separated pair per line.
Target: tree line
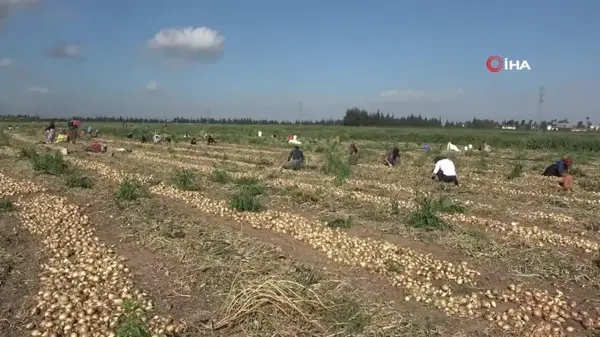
x,y
353,117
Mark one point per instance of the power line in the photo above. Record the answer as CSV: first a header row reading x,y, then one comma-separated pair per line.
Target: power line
x,y
540,102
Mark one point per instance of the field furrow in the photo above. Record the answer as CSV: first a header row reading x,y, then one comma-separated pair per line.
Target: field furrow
x,y
506,249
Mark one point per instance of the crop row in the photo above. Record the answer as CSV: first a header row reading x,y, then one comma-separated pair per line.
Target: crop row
x,y
530,234
414,272
277,182
522,186
85,287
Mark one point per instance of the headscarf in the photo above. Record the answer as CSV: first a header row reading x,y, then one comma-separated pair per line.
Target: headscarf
x,y
568,160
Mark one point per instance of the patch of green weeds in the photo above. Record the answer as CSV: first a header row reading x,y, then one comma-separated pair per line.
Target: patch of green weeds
x,y
336,166
516,172
50,163
77,179
185,180
247,198
340,223
130,322
129,190
6,206
221,176
27,152
426,215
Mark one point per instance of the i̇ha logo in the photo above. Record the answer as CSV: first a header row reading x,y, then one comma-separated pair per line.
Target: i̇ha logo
x,y
496,63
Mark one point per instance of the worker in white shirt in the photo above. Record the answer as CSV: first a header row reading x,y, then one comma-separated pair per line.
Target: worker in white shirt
x,y
445,170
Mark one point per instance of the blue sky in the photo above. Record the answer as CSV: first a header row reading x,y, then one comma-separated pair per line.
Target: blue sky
x,y
399,56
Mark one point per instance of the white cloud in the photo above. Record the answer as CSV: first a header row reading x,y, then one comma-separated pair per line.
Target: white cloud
x,y
5,62
70,51
195,44
39,90
152,85
420,95
405,94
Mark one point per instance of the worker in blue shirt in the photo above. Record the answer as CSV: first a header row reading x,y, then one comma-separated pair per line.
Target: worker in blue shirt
x,y
561,169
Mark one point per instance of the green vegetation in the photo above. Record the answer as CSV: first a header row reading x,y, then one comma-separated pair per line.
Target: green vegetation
x,y
221,176
76,179
129,190
51,163
340,223
337,167
516,172
426,215
565,142
54,164
130,323
6,206
247,197
185,180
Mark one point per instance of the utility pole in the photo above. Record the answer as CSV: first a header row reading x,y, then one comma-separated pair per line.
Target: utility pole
x,y
207,115
540,102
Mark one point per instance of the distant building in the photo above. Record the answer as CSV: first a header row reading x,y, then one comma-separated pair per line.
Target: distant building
x,y
508,127
561,127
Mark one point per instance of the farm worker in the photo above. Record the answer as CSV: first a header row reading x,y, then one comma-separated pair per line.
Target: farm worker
x,y
295,159
210,140
392,158
193,141
444,170
567,183
144,139
156,138
353,154
353,149
50,133
561,169
89,129
97,147
73,130
62,137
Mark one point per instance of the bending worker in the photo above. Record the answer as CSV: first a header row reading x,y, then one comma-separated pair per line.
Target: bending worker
x,y
561,169
353,154
295,159
392,158
445,170
73,129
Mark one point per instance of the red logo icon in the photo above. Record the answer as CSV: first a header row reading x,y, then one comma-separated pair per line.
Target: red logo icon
x,y
490,63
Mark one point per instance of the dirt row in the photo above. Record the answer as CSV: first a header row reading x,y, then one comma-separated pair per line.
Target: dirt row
x,y
187,266
174,194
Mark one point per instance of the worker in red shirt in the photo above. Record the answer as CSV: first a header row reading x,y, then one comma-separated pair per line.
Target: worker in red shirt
x,y
73,130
